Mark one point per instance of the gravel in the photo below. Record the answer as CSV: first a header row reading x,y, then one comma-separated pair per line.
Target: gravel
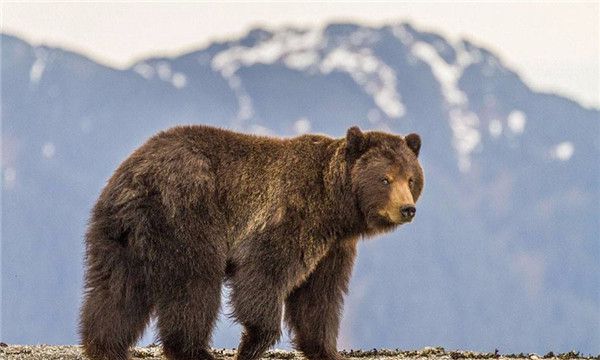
x,y
154,352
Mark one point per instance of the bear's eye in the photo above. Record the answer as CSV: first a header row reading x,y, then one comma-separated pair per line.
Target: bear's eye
x,y
411,182
385,181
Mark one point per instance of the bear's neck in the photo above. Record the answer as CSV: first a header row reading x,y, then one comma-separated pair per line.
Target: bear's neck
x,y
344,218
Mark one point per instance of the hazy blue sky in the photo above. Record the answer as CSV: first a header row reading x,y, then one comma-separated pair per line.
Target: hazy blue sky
x,y
554,45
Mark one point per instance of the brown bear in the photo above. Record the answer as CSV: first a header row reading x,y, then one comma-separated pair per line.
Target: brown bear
x,y
276,220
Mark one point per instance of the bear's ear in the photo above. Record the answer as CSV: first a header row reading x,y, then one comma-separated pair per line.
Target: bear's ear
x,y
355,143
414,143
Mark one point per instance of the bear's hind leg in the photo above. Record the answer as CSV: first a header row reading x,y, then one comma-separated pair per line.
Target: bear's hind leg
x,y
189,299
117,305
187,317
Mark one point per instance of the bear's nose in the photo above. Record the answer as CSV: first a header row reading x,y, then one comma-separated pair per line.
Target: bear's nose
x,y
408,211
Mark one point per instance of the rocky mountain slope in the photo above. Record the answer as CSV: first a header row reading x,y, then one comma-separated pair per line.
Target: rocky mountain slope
x,y
504,250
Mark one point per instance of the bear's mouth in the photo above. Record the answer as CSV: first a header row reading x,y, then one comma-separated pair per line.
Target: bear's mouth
x,y
388,219
384,222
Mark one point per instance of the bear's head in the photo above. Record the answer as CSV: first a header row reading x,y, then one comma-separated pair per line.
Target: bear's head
x,y
386,176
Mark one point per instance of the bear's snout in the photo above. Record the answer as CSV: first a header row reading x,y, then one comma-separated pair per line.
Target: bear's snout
x,y
408,212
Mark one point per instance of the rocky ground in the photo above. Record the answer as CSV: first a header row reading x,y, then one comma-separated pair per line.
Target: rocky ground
x,y
47,352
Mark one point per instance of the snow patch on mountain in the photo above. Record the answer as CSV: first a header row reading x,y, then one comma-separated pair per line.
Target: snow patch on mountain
x,y
402,34
495,128
10,178
163,71
466,136
268,51
145,70
306,51
245,106
463,122
297,47
376,77
301,60
179,80
364,37
516,121
48,150
447,74
260,130
302,126
563,151
39,65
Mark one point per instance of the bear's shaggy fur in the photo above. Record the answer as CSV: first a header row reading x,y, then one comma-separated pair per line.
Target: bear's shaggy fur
x,y
277,220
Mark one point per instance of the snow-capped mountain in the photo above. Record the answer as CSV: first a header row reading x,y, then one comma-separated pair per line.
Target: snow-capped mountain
x,y
504,251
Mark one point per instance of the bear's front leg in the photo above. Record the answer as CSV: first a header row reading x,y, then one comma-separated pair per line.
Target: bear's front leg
x,y
257,293
256,339
313,310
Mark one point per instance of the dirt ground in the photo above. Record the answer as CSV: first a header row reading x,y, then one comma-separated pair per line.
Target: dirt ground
x,y
46,352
